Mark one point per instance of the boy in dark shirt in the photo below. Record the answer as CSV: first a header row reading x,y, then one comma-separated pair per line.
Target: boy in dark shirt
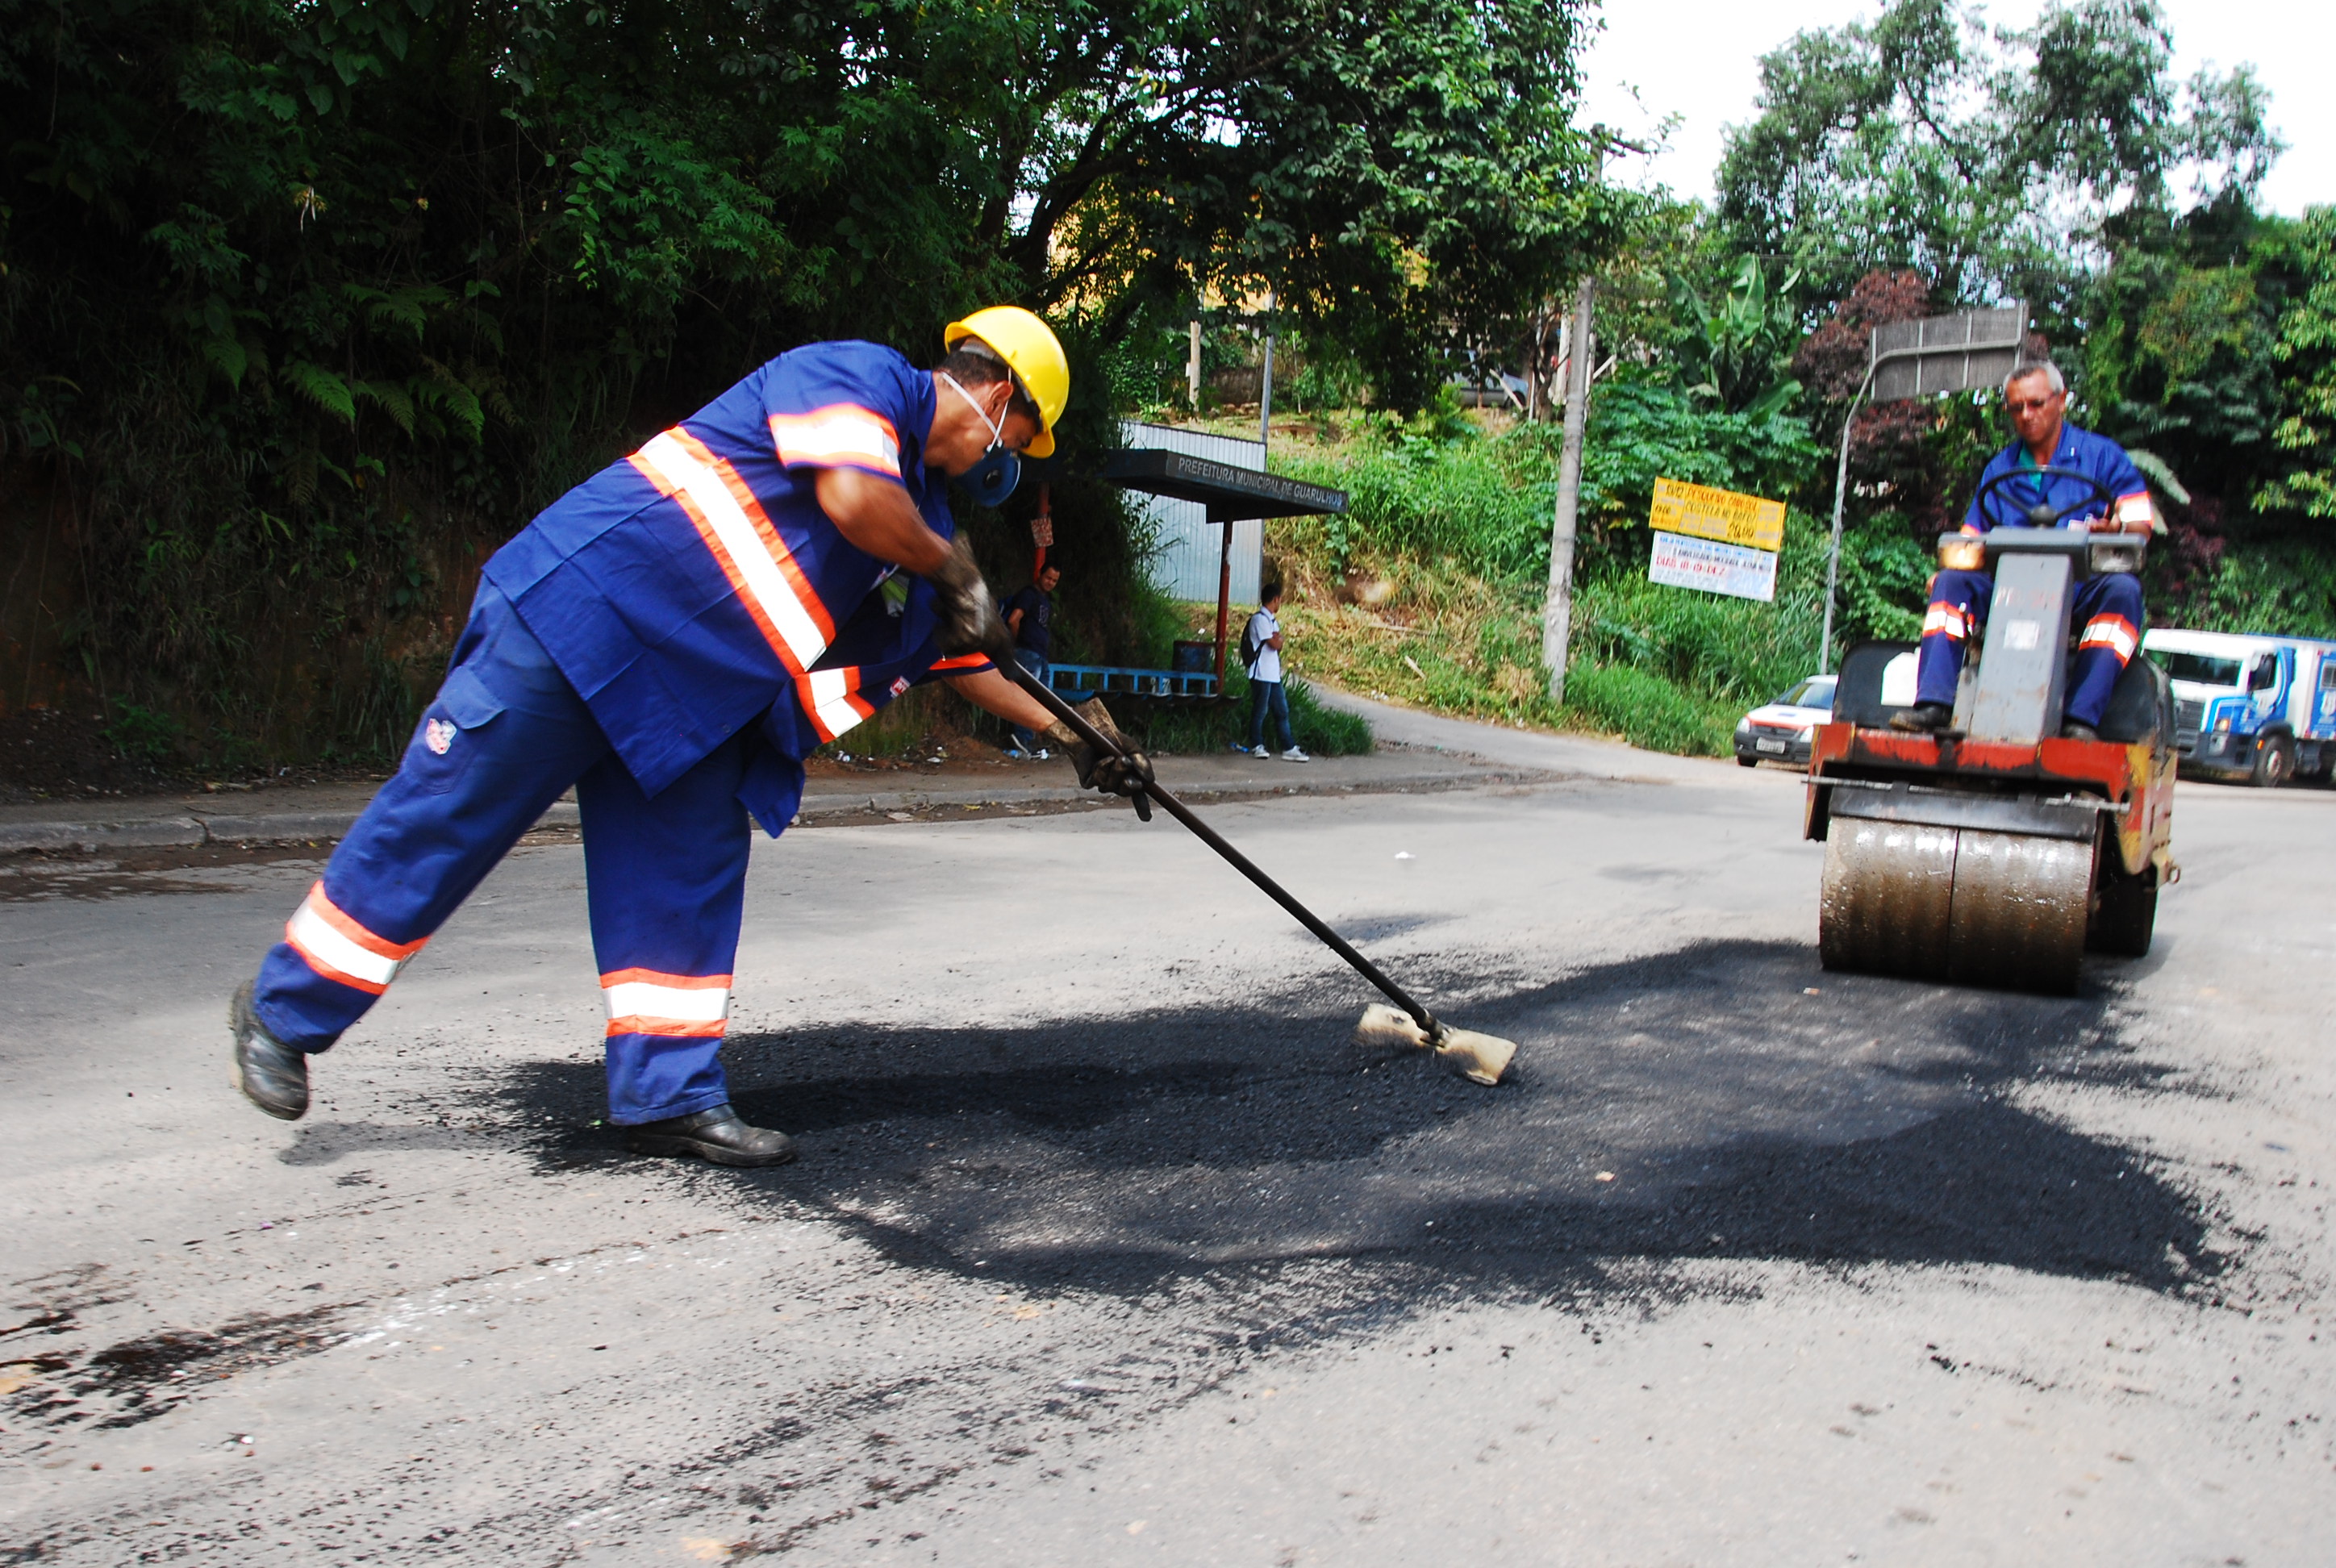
x,y
1030,617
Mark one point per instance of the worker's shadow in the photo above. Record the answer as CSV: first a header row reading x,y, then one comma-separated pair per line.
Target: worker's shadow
x,y
1729,1100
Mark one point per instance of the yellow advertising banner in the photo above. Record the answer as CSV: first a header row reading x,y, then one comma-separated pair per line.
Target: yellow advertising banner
x,y
1721,514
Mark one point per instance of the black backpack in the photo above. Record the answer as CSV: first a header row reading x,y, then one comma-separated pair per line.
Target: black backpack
x,y
1251,646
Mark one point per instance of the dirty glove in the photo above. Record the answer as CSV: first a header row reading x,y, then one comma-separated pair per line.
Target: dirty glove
x,y
969,618
1119,776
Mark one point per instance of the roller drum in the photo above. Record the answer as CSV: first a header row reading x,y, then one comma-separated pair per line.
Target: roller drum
x,y
1888,898
2020,908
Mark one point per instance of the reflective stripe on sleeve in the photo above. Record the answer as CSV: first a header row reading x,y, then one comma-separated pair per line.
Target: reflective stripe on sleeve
x,y
650,1002
341,949
842,434
769,582
963,664
832,698
2113,632
2133,509
1946,618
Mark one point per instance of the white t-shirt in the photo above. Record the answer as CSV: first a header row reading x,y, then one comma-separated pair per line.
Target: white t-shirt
x,y
1261,626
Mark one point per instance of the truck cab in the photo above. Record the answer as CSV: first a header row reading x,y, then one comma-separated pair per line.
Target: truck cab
x,y
2259,709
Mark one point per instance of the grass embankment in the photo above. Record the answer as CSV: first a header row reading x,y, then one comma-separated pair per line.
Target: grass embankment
x,y
1430,591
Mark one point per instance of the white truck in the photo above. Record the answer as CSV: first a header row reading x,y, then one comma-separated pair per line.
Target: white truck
x,y
2261,708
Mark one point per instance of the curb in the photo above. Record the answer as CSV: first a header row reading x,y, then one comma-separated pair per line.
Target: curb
x,y
193,831
836,803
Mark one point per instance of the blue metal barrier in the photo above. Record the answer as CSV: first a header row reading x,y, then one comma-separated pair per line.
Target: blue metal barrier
x,y
1092,679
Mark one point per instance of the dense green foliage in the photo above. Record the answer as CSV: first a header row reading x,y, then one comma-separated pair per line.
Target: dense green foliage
x,y
1921,162
1485,503
1988,160
303,306
1899,168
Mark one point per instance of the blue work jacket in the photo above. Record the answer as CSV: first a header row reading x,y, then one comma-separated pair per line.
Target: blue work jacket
x,y
695,587
2080,449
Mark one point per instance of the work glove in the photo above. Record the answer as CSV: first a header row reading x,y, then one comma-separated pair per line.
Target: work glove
x,y
1127,774
969,615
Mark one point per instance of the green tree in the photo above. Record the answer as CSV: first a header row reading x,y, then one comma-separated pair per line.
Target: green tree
x,y
1989,161
317,299
2305,351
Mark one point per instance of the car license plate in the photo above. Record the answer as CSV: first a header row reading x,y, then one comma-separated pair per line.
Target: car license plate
x,y
1775,748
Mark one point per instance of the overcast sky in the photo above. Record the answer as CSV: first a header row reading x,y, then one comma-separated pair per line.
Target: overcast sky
x,y
1701,59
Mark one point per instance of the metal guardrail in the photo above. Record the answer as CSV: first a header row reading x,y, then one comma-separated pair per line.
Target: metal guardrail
x,y
1094,679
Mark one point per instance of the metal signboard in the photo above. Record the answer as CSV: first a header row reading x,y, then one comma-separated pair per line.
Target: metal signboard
x,y
1681,561
1721,514
1960,352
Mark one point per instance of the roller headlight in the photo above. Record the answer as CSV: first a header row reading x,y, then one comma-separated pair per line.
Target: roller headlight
x,y
1962,552
2116,553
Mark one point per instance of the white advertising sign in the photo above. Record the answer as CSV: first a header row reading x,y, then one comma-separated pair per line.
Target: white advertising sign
x,y
1680,561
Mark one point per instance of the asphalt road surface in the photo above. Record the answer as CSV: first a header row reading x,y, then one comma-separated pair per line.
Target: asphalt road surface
x,y
1109,1246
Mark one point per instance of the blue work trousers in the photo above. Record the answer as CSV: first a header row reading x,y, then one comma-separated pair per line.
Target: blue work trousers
x,y
1267,696
666,877
2107,611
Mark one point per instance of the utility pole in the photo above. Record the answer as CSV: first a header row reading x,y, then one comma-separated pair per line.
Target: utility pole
x,y
1193,369
1557,611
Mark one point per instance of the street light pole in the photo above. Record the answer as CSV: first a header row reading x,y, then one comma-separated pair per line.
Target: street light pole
x,y
1840,494
1265,381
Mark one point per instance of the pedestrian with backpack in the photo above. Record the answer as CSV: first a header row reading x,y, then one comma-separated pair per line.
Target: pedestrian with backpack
x,y
1261,656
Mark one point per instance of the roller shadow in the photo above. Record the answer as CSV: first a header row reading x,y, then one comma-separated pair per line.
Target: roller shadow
x,y
1728,1100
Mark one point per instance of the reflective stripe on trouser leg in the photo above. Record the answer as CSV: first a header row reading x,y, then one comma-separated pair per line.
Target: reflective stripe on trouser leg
x,y
2108,613
667,883
1959,602
504,735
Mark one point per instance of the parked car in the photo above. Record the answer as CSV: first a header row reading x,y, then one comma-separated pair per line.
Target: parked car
x,y
2258,708
1780,731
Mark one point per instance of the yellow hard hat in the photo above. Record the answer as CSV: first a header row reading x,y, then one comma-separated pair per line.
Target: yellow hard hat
x,y
1030,346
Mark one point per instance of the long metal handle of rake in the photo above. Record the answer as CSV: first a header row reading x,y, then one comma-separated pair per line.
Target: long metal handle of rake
x,y
1233,857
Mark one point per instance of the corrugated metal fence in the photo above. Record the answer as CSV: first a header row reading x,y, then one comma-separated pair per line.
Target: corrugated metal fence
x,y
1183,563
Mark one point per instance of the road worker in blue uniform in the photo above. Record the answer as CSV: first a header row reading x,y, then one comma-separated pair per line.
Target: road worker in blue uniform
x,y
2108,608
672,637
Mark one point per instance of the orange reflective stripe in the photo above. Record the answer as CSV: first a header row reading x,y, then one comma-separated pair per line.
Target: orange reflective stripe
x,y
962,661
840,433
763,573
1947,618
659,978
339,948
683,1028
347,925
652,1002
2113,632
832,698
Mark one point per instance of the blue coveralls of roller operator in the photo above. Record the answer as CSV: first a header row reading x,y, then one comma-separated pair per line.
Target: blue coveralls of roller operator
x,y
2108,608
672,637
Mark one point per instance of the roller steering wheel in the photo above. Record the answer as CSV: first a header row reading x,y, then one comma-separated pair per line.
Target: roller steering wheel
x,y
2042,514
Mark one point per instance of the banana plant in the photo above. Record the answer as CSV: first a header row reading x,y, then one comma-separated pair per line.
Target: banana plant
x,y
1733,349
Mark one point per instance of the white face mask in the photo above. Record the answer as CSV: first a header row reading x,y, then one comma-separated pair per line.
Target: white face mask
x,y
993,479
997,431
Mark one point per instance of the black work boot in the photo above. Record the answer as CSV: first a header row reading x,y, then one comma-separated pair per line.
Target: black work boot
x,y
717,1134
271,1075
2073,730
1923,718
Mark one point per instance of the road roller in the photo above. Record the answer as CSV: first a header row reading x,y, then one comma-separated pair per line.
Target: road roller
x,y
1993,852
